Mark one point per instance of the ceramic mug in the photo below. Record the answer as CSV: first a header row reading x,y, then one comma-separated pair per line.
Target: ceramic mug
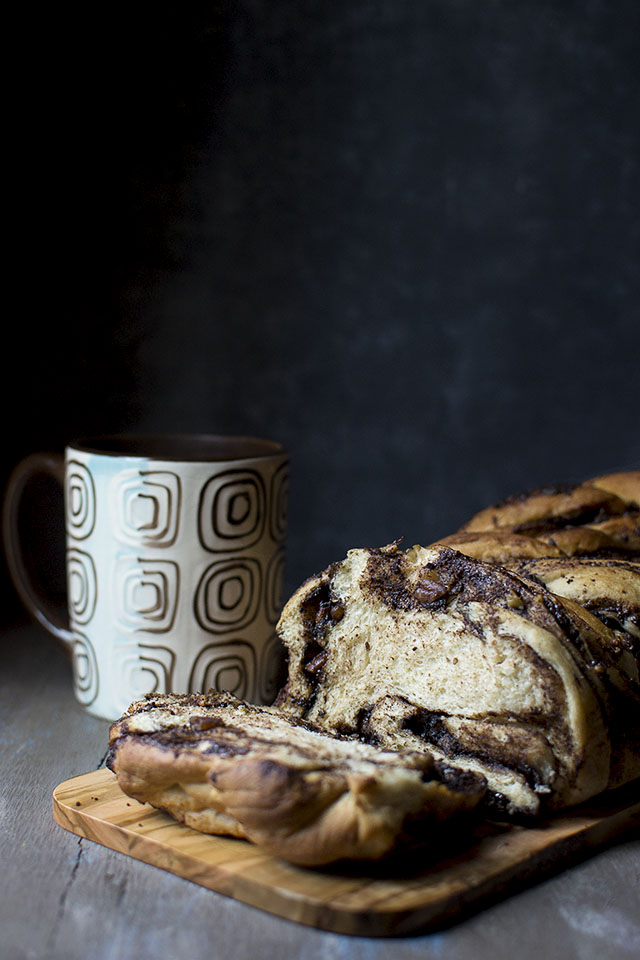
x,y
175,554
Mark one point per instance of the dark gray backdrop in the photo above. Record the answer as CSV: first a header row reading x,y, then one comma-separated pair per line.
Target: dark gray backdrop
x,y
401,237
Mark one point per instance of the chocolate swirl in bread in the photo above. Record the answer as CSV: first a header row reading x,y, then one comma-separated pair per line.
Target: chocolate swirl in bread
x,y
606,587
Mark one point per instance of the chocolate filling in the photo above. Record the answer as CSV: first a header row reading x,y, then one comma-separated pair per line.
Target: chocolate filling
x,y
579,517
320,610
431,727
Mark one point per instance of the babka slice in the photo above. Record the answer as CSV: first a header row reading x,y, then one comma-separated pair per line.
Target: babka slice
x,y
226,767
485,669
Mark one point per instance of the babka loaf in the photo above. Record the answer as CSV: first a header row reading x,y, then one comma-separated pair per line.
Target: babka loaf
x,y
484,668
495,671
224,766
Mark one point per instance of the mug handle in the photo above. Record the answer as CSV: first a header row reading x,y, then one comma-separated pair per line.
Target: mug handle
x,y
50,464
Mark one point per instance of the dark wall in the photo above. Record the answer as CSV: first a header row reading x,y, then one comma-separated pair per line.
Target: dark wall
x,y
401,237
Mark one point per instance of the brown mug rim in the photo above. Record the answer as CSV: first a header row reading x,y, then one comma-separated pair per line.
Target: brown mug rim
x,y
178,447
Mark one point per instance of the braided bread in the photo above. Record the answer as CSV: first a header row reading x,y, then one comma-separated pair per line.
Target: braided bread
x,y
495,671
601,514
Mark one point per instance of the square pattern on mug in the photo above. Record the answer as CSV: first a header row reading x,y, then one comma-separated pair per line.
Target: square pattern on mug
x,y
175,573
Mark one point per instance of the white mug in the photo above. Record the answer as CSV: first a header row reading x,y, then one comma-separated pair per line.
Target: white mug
x,y
175,556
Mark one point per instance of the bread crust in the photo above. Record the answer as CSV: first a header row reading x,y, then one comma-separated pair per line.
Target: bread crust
x,y
547,509
498,546
599,515
625,485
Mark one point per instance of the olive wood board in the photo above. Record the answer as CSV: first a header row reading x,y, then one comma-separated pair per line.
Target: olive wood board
x,y
387,899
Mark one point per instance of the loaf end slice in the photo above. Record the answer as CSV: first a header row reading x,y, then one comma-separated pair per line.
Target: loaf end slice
x,y
223,766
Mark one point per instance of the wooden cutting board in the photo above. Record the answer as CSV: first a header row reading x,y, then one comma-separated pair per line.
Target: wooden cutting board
x,y
374,900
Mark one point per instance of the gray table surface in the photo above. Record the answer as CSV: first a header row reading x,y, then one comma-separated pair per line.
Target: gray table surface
x,y
63,896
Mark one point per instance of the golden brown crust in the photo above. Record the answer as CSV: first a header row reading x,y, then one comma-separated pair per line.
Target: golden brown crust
x,y
625,485
623,531
575,541
499,546
618,534
599,515
547,509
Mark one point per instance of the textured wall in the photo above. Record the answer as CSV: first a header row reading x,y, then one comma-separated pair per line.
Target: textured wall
x,y
401,237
